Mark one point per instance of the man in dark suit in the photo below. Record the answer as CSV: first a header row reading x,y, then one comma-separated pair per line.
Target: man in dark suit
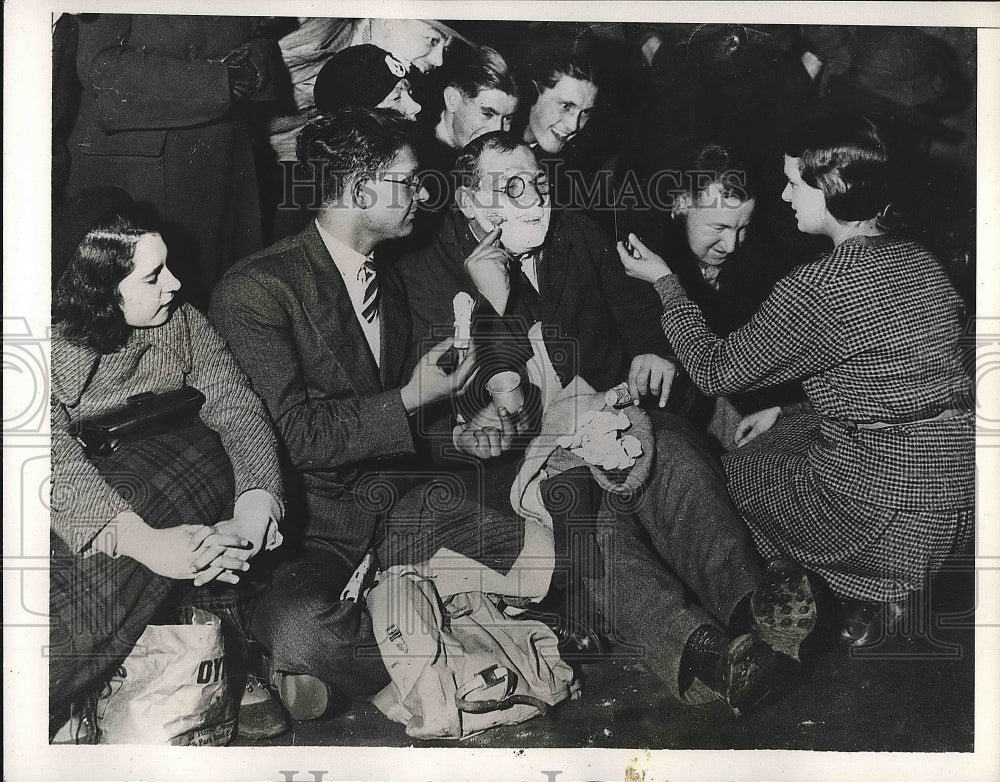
x,y
524,263
322,330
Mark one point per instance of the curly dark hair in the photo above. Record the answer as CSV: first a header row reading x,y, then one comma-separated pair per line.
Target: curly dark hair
x,y
86,304
350,144
845,157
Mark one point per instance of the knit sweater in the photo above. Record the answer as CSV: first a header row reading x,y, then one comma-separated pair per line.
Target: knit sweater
x,y
184,351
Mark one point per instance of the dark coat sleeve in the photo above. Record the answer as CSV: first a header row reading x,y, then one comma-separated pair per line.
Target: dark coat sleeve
x,y
323,427
136,88
635,307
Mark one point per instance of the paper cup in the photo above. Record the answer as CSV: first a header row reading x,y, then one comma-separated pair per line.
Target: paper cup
x,y
505,388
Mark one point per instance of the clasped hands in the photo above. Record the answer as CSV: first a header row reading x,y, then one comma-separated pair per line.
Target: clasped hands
x,y
198,552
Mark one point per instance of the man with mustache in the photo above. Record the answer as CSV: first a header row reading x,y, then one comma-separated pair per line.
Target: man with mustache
x,y
523,264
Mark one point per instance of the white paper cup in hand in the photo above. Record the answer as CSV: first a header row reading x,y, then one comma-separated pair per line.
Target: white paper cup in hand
x,y
505,389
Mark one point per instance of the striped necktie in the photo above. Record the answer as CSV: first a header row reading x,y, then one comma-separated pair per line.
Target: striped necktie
x,y
366,274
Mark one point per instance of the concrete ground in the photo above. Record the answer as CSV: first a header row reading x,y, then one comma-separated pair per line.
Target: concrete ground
x,y
913,692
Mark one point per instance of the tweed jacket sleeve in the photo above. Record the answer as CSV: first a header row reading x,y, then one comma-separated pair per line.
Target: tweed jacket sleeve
x,y
81,502
186,350
323,423
788,338
232,409
873,330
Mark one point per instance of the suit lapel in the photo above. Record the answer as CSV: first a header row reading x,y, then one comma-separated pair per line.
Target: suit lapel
x,y
395,319
336,321
551,270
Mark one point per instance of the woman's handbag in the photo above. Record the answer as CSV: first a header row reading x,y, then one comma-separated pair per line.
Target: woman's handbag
x,y
144,415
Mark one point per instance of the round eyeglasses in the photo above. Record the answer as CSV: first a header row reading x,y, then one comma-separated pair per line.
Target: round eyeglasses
x,y
517,184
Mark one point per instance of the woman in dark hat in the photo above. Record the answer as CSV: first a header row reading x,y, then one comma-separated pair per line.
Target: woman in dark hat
x,y
139,519
366,77
874,486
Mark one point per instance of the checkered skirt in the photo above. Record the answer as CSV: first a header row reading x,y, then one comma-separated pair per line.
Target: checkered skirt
x,y
99,606
793,504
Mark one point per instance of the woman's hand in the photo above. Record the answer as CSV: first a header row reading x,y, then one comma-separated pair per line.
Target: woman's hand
x,y
248,528
641,262
189,551
755,424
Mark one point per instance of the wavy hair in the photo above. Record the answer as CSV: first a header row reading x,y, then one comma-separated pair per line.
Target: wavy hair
x,y
845,157
86,304
350,144
479,69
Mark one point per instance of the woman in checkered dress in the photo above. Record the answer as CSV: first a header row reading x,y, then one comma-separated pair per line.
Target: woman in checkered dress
x,y
135,530
872,485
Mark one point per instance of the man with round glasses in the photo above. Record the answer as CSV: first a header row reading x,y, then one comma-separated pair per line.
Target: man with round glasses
x,y
542,265
526,264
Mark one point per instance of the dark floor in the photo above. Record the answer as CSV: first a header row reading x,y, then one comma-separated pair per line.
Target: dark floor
x,y
912,693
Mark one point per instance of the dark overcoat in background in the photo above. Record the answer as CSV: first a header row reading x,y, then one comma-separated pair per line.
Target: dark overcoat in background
x,y
156,119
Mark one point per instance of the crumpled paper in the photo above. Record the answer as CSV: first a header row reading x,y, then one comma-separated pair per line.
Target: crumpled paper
x,y
598,440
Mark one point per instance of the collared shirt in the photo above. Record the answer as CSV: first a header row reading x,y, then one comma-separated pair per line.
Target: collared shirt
x,y
710,274
349,263
529,265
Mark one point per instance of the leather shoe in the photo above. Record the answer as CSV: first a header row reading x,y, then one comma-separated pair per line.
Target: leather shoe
x,y
308,697
576,642
742,671
261,715
783,607
864,623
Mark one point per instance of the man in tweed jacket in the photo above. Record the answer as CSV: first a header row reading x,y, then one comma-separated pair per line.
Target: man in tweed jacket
x,y
325,350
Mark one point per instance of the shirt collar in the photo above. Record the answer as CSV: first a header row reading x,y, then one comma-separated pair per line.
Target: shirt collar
x,y
347,260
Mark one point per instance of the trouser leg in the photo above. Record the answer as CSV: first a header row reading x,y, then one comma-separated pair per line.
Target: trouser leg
x,y
573,500
466,545
645,607
444,513
307,628
692,522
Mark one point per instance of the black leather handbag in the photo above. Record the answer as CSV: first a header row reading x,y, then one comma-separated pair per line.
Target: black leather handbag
x,y
144,415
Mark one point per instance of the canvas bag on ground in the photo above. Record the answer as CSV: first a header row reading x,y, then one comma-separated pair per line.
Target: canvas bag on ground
x,y
460,666
172,688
